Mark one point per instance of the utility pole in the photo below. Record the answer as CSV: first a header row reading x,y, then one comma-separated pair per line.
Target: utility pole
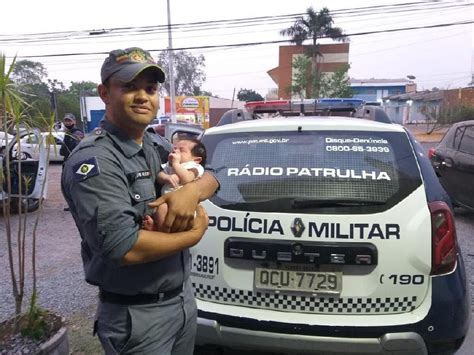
x,y
170,68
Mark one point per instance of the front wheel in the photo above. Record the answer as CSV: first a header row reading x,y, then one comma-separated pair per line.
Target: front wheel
x,y
27,204
22,156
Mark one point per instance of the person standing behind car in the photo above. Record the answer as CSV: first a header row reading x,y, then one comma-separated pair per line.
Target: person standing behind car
x,y
72,136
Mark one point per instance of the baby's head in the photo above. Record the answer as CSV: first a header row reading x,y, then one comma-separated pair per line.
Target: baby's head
x,y
191,149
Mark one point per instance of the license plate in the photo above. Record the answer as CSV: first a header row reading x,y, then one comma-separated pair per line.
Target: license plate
x,y
303,281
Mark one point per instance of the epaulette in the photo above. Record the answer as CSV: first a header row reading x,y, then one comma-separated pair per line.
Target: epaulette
x,y
92,137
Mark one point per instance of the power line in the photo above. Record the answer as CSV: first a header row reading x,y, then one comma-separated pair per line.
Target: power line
x,y
230,23
260,43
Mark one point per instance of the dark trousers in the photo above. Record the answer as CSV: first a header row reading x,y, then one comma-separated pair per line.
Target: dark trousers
x,y
167,327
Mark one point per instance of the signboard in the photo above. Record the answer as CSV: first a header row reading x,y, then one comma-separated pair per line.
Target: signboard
x,y
193,109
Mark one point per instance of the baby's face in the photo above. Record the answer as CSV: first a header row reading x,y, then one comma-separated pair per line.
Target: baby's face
x,y
184,148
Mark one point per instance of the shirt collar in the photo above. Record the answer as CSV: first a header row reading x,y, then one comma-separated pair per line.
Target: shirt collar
x,y
128,146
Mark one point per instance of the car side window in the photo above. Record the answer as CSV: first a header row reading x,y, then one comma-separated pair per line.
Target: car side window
x,y
32,139
457,137
467,142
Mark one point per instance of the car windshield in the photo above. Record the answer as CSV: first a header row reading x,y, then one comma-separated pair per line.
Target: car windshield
x,y
312,170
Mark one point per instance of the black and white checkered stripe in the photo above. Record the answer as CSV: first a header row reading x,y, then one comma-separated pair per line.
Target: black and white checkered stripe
x,y
305,304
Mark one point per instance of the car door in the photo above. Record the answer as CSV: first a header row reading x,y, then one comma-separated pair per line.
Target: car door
x,y
463,168
446,166
55,148
26,147
177,131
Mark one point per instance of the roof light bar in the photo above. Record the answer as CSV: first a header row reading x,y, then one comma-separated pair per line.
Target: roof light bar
x,y
300,107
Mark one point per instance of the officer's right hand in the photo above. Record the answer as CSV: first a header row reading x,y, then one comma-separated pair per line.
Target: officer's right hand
x,y
201,221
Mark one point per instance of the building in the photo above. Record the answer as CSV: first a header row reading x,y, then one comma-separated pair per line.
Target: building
x,y
413,107
419,107
374,90
334,56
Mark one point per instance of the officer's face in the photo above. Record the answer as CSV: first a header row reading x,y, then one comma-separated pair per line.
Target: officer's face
x,y
68,123
132,105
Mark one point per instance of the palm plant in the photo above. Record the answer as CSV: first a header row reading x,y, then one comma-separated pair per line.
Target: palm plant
x,y
14,117
314,26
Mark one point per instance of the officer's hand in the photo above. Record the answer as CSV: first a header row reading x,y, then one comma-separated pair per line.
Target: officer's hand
x,y
201,221
182,205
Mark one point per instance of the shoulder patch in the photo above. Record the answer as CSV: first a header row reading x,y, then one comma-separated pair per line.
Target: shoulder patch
x,y
86,169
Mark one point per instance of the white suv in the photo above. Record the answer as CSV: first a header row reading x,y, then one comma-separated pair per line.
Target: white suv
x,y
328,235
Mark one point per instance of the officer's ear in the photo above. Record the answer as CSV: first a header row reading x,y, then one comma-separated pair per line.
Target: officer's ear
x,y
104,93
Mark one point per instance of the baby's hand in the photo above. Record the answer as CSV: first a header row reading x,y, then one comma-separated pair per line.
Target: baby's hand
x,y
174,157
172,180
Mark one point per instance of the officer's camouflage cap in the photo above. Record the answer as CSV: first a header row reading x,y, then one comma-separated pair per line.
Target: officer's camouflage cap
x,y
126,64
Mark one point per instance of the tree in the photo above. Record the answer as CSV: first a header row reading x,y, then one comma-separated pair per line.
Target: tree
x,y
249,95
337,84
188,70
439,116
69,100
79,88
314,27
301,77
27,72
32,83
206,93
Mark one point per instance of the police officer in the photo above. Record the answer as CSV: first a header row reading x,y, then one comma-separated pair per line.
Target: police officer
x,y
72,137
146,302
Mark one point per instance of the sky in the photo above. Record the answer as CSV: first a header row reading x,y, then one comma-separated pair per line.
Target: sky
x,y
439,57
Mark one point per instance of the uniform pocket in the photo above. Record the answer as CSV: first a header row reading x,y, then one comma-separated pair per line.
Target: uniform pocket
x,y
115,328
142,190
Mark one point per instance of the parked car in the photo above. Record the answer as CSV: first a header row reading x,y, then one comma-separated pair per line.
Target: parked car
x,y
27,192
3,141
30,146
328,235
453,161
174,131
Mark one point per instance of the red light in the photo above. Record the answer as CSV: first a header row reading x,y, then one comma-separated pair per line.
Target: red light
x,y
443,242
431,153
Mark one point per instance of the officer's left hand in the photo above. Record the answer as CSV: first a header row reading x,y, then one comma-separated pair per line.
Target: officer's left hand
x,y
182,205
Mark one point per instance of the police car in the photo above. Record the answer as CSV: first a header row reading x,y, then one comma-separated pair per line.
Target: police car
x,y
330,234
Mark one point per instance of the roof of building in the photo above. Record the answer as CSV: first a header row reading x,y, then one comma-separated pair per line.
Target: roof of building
x,y
418,96
380,82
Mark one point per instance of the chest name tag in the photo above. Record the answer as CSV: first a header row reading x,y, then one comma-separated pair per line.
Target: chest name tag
x,y
86,169
145,174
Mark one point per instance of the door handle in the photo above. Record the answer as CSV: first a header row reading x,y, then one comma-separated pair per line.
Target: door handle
x,y
447,163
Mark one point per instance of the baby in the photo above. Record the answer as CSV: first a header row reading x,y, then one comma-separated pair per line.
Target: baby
x,y
185,164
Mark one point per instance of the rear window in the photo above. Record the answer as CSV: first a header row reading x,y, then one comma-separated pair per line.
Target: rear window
x,y
309,171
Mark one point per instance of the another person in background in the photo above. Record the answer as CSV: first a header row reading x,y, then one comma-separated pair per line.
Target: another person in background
x,y
72,136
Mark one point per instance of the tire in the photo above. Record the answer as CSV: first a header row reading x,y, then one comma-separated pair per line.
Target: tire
x,y
27,204
22,156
